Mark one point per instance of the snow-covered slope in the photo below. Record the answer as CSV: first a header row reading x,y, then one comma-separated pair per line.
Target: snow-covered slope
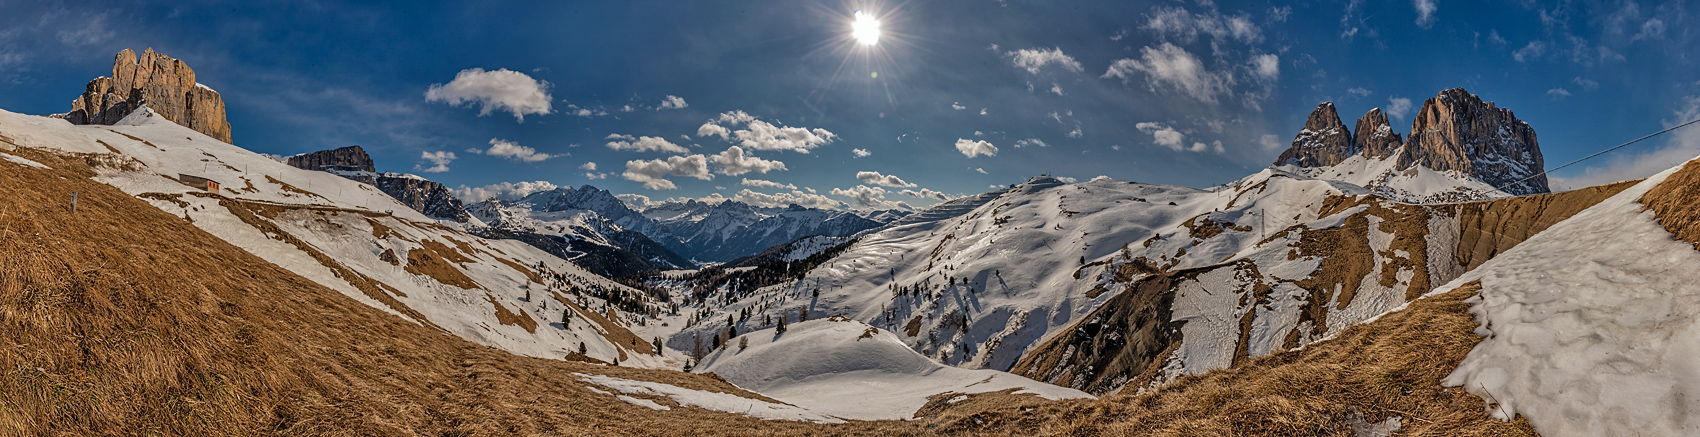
x,y
584,236
1590,325
729,230
356,239
853,370
1415,184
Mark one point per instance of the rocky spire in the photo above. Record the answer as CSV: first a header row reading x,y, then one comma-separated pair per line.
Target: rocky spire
x,y
1457,131
164,84
351,158
1324,141
1375,137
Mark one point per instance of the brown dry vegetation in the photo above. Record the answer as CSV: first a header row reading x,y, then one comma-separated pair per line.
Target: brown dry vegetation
x,y
1672,202
433,260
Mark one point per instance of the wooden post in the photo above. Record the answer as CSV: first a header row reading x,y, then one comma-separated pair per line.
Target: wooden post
x,y
73,202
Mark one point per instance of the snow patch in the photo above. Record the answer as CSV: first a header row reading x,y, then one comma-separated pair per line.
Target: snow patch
x,y
704,399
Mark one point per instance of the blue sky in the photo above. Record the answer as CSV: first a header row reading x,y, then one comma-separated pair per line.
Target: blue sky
x,y
1179,92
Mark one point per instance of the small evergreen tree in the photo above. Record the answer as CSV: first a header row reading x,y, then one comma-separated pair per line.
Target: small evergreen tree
x,y
781,328
565,317
657,346
581,349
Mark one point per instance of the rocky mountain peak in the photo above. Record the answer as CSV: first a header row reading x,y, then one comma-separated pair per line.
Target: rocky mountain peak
x,y
1324,140
1375,136
351,158
1457,131
164,84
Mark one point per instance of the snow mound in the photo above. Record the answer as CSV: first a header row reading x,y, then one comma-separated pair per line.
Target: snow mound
x,y
703,399
21,160
1590,326
853,370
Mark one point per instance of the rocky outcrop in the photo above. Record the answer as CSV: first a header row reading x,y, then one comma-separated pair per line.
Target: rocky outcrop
x,y
1454,133
1324,141
1375,136
1457,131
164,84
423,195
351,158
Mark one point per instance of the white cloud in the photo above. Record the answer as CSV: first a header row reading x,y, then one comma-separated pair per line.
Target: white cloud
x,y
1169,67
783,199
758,183
1280,14
971,148
1360,91
867,197
626,143
1033,60
1531,51
861,153
1030,142
979,134
508,191
1266,66
1057,89
1269,142
594,176
733,162
957,106
926,194
982,111
441,159
500,90
1558,93
1076,133
1398,107
1183,26
627,108
1585,83
90,31
672,102
1679,147
635,201
591,166
653,173
1163,135
981,170
1425,12
1653,28
1067,179
511,150
875,178
761,135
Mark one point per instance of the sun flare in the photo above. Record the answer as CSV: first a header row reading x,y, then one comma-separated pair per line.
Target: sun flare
x,y
866,29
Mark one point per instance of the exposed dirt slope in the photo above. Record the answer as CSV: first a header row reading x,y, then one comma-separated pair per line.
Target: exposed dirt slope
x,y
1673,203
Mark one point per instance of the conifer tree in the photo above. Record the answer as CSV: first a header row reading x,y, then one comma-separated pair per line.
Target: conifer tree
x,y
781,328
581,349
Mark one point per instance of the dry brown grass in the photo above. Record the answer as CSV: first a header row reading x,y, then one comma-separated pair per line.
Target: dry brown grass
x,y
1672,202
433,260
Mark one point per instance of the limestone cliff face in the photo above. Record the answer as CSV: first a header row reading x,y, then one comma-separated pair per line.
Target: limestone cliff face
x,y
1324,141
1375,136
351,158
1457,131
162,83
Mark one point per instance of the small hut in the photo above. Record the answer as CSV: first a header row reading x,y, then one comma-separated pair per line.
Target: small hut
x,y
199,182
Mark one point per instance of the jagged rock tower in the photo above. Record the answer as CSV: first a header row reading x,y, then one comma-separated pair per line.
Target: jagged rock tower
x,y
164,84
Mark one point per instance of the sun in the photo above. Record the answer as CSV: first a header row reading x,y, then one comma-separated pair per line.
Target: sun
x,y
866,29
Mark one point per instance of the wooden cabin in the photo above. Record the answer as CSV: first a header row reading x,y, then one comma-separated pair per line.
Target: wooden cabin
x,y
209,185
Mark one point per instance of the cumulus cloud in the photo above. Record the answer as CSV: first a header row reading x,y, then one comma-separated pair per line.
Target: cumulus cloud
x,y
1269,142
653,173
868,197
1057,89
441,159
1398,107
1076,133
591,166
508,191
957,106
1183,26
511,150
1267,67
1030,142
861,153
761,135
875,178
1170,68
1033,60
594,176
672,102
926,194
758,183
1425,12
500,90
733,162
1163,135
971,148
626,143
765,200
981,170
635,201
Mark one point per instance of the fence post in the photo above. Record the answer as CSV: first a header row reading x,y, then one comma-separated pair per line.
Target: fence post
x,y
73,202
